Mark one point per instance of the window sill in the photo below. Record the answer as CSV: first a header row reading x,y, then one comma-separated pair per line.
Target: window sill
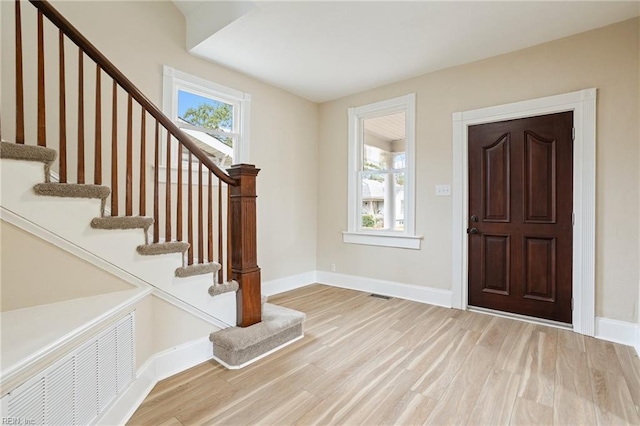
x,y
383,240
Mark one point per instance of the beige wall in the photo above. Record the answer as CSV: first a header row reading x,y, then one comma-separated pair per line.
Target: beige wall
x,y
35,272
161,326
147,36
605,58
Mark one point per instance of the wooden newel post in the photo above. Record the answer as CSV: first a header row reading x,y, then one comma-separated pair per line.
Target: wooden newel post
x,y
244,250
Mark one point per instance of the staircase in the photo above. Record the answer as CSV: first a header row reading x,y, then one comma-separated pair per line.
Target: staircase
x,y
197,249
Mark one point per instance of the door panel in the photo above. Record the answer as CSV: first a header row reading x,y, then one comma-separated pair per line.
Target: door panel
x,y
521,191
540,268
495,271
540,179
496,166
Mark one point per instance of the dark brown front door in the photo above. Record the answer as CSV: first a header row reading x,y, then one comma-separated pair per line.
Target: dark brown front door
x,y
520,216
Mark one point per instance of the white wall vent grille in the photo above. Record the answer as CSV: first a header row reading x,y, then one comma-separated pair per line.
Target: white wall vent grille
x,y
78,388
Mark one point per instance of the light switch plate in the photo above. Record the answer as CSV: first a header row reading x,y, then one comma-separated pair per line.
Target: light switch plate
x,y
443,190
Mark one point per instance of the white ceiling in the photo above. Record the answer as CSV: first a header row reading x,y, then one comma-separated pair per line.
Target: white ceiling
x,y
325,50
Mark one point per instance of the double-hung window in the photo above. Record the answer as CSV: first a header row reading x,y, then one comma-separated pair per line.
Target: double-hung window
x,y
382,174
215,117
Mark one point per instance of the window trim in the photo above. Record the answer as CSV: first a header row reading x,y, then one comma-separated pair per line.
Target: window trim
x,y
173,80
354,234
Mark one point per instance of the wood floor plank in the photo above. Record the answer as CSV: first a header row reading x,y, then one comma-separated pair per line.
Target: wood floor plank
x,y
630,365
602,355
538,376
382,400
495,332
235,397
457,403
474,321
209,368
413,409
573,401
290,410
512,355
613,402
430,325
527,413
366,344
171,422
572,340
262,403
425,354
497,398
434,381
350,392
180,400
376,353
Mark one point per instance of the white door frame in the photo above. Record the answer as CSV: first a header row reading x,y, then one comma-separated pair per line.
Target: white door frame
x,y
583,105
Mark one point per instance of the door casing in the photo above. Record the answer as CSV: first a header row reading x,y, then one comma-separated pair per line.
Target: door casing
x,y
583,105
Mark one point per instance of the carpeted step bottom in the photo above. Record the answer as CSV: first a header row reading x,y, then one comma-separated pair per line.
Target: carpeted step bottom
x,y
72,190
218,289
198,269
122,222
237,347
17,151
162,248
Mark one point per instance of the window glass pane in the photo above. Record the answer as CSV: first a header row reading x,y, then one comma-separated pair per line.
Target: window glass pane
x,y
211,114
373,158
382,201
221,153
204,112
384,141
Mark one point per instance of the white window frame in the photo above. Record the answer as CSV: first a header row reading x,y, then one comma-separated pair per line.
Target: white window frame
x,y
174,80
387,238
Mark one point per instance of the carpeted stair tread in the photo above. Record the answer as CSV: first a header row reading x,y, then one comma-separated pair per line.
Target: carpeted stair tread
x,y
236,346
198,269
122,222
17,151
72,190
218,289
162,248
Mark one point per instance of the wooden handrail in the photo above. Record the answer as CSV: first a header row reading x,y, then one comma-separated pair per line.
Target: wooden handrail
x,y
91,51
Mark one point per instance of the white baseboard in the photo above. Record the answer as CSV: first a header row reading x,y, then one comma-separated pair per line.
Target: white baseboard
x,y
280,285
160,366
416,293
626,333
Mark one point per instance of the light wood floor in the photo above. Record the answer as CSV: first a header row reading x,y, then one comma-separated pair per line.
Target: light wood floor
x,y
370,361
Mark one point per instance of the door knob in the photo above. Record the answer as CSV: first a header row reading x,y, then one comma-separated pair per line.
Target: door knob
x,y
473,231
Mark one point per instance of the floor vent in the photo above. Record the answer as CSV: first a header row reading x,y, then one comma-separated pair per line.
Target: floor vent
x,y
78,388
380,296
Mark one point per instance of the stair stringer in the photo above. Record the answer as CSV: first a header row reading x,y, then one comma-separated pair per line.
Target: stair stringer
x,y
70,218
